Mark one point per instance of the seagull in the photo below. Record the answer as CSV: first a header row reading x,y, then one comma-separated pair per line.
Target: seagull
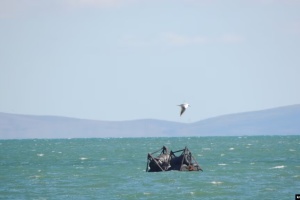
x,y
184,106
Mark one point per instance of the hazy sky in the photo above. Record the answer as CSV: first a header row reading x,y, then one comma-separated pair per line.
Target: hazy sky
x,y
136,59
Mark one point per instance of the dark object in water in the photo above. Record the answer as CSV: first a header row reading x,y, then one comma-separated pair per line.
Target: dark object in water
x,y
167,161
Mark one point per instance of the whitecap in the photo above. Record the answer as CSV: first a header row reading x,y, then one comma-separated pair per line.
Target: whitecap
x,y
269,189
40,154
222,164
222,154
103,159
292,150
231,148
35,177
216,182
83,158
278,167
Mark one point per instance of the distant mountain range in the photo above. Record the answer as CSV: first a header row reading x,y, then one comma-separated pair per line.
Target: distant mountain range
x,y
276,121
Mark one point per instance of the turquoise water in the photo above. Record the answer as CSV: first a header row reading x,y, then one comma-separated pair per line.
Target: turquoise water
x,y
263,167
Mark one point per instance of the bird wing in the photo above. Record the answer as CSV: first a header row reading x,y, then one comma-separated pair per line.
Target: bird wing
x,y
182,110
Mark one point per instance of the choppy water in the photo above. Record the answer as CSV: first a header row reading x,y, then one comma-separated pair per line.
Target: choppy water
x,y
263,167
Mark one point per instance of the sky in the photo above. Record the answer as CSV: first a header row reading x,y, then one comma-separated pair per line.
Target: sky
x,y
118,60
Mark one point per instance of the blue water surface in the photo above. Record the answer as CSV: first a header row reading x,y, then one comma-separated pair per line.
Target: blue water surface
x,y
257,167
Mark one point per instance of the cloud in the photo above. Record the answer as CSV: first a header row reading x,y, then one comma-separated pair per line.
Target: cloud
x,y
183,40
232,39
176,39
138,41
19,8
9,8
12,8
180,40
276,1
294,28
97,3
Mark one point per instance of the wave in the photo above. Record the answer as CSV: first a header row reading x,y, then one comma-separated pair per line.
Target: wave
x,y
216,182
278,167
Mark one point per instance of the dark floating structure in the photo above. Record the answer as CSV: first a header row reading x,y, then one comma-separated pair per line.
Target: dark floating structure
x,y
167,161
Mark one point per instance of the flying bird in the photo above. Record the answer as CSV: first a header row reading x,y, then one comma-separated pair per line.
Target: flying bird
x,y
184,106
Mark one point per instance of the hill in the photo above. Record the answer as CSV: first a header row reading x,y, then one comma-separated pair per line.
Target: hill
x,y
276,121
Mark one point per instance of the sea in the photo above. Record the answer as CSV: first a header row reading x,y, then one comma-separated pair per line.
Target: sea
x,y
246,167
